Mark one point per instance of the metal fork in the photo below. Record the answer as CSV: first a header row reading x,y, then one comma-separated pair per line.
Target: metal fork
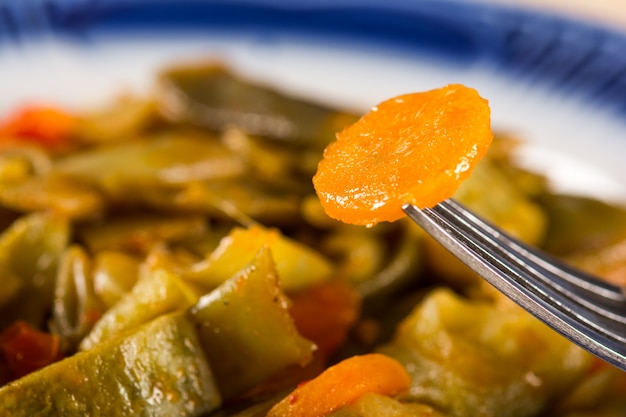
x,y
586,310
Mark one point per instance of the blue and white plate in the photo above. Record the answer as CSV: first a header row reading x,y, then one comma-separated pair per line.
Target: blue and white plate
x,y
557,83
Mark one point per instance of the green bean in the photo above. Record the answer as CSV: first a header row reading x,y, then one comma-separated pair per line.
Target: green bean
x,y
140,233
469,357
158,370
158,293
169,158
298,266
359,254
68,198
588,234
76,307
19,161
400,271
255,200
116,122
114,274
246,330
374,405
582,224
30,251
212,97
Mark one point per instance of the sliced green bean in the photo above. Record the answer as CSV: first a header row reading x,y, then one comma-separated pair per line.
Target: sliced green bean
x,y
172,158
475,358
69,198
212,97
140,233
114,274
30,251
298,266
246,330
158,370
76,306
158,293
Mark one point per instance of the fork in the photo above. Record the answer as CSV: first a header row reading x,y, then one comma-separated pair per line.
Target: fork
x,y
584,309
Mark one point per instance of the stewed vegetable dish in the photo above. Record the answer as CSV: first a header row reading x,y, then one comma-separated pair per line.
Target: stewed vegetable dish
x,y
168,255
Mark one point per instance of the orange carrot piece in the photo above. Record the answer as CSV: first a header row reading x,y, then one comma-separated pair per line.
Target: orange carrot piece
x,y
415,148
343,384
47,126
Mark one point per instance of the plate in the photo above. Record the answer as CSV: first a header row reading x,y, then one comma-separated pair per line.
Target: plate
x,y
557,83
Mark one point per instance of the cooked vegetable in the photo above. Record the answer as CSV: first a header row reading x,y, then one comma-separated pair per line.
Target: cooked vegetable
x,y
415,148
76,306
209,95
114,274
118,121
377,405
139,234
246,330
159,293
68,198
403,265
167,159
19,161
30,251
342,384
159,370
297,265
480,358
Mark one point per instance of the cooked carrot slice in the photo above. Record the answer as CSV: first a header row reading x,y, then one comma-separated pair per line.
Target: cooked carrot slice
x,y
343,384
415,148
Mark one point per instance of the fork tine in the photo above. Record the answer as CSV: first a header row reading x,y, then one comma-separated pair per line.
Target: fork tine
x,y
524,272
589,292
532,282
586,282
562,294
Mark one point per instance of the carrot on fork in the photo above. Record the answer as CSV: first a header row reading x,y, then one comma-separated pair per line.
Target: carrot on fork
x,y
342,384
415,148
